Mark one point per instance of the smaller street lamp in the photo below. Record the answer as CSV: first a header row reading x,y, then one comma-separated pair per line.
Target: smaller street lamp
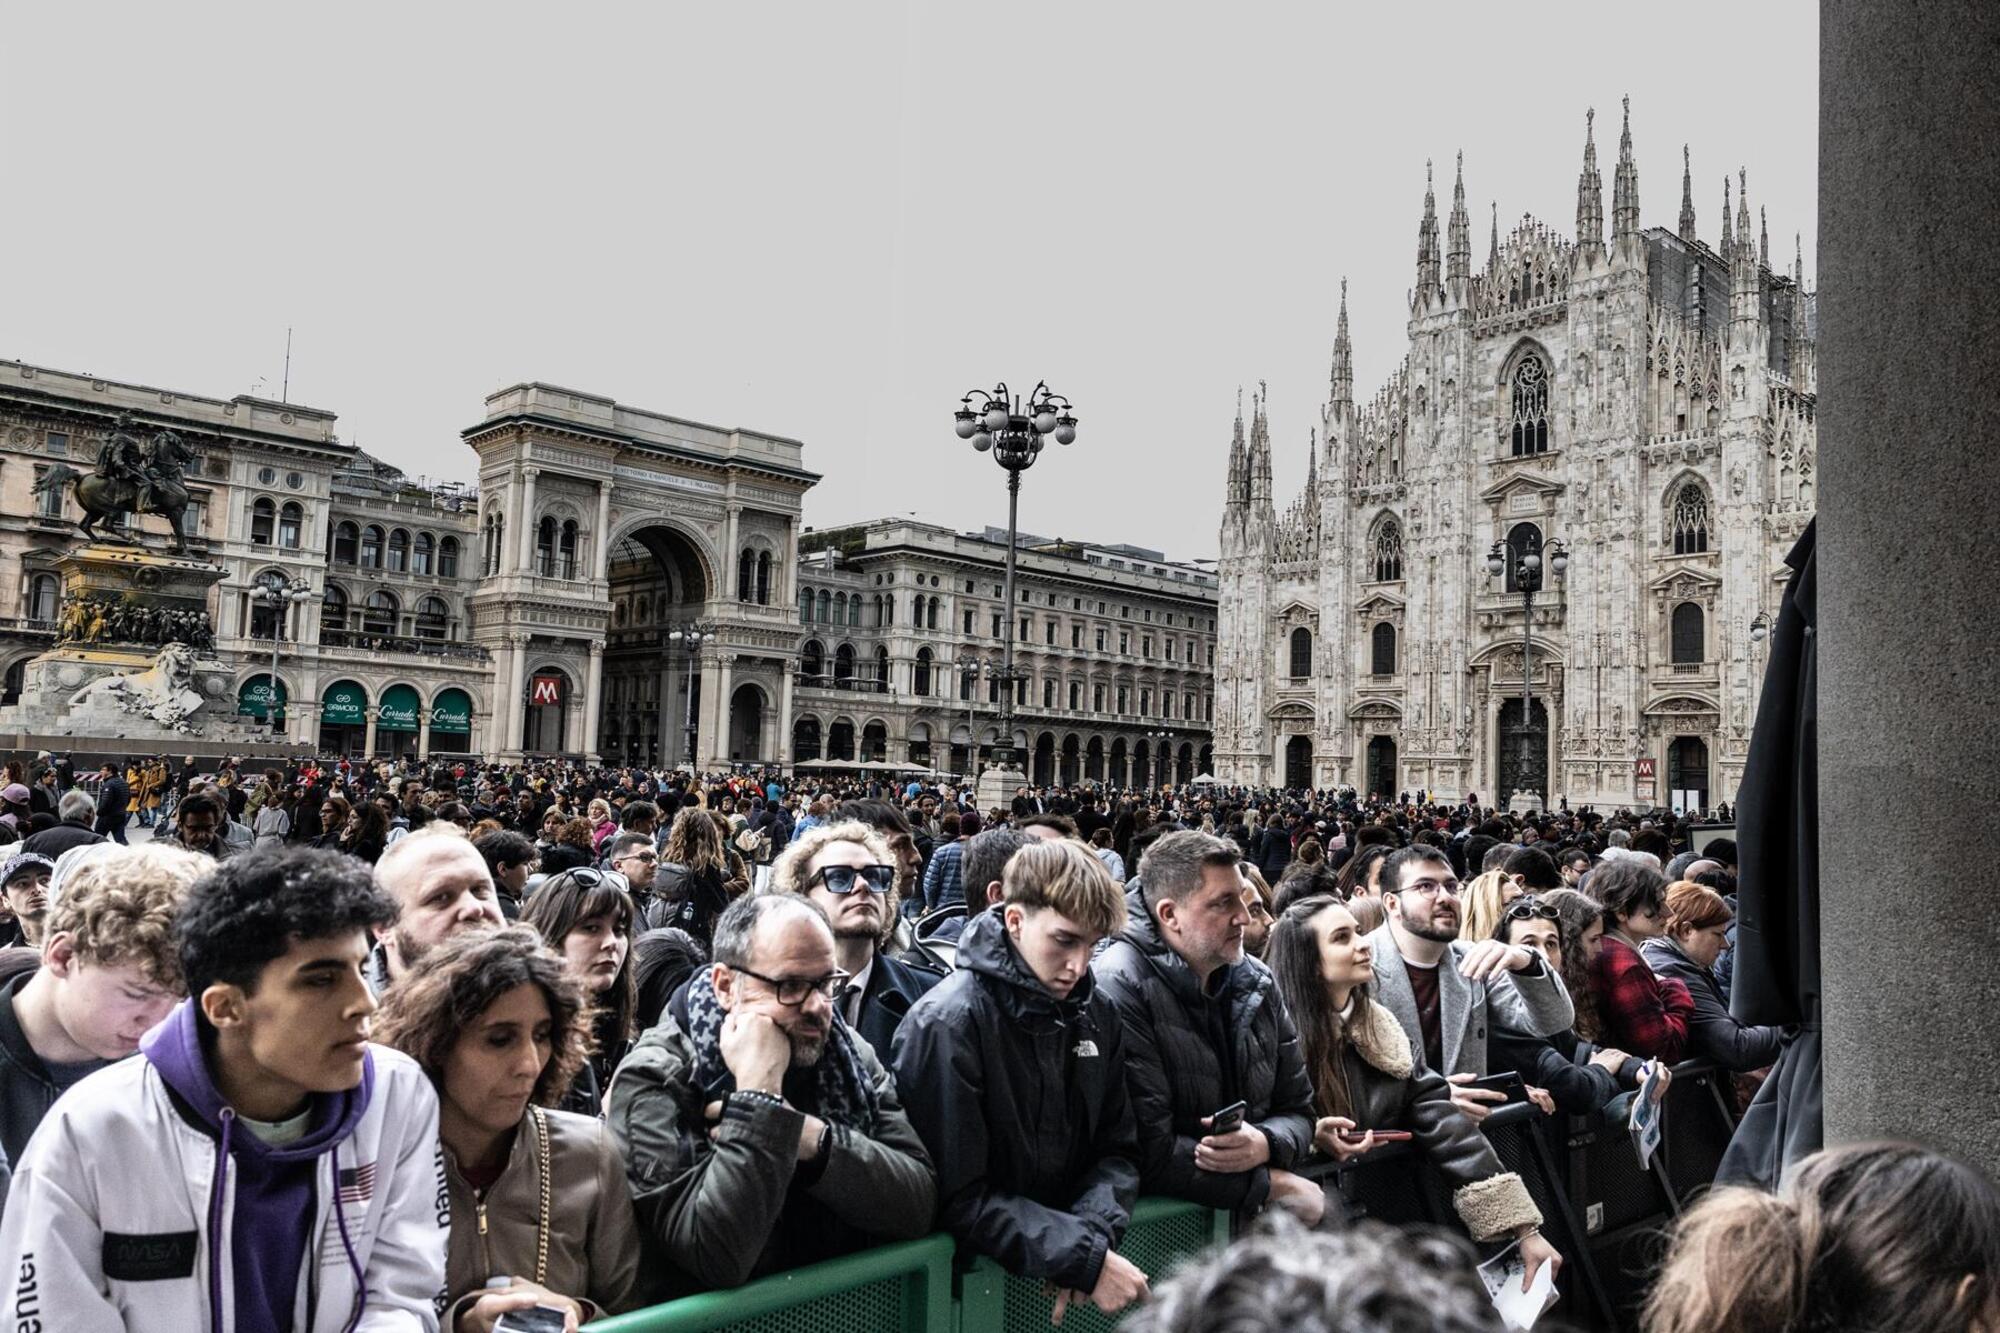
x,y
280,594
690,635
1527,565
1760,628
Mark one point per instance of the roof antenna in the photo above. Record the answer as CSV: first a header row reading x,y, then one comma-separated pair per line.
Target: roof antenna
x,y
286,392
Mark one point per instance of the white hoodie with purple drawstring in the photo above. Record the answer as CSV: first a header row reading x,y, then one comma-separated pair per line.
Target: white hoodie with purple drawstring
x,y
123,1214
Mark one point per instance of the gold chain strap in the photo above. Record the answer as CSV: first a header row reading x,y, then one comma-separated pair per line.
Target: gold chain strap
x,y
542,1230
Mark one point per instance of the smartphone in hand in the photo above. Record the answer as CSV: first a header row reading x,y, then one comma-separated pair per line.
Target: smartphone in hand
x,y
535,1319
1229,1119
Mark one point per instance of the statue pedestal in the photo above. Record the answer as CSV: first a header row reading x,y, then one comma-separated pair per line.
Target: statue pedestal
x,y
997,786
1524,803
134,659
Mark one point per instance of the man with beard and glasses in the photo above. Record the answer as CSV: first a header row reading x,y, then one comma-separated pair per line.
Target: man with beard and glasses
x,y
848,871
1446,992
760,1132
441,886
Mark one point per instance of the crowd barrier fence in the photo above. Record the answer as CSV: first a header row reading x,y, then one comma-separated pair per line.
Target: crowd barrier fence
x,y
1606,1216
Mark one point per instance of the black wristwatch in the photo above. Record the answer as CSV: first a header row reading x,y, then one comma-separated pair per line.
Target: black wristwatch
x,y
825,1141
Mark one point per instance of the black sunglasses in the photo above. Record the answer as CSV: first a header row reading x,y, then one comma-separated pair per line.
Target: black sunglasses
x,y
845,879
1530,906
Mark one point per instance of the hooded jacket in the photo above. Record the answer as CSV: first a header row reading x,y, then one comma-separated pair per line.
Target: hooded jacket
x,y
142,1204
1191,1050
1713,1033
1021,1099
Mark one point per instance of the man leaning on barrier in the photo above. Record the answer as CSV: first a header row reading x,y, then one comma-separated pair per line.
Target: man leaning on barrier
x,y
1205,1029
759,1132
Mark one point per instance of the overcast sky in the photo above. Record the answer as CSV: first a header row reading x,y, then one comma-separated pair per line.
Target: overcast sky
x,y
829,221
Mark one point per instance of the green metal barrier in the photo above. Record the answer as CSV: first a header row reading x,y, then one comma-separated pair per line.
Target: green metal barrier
x,y
903,1288
1164,1234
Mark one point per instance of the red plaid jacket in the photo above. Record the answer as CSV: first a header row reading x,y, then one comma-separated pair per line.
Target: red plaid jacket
x,y
1641,1014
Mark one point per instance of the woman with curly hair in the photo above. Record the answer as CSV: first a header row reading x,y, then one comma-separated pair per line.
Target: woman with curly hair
x,y
573,847
537,1196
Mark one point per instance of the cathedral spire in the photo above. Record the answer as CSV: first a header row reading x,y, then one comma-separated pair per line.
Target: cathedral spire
x,y
1746,306
1239,463
1427,245
1625,190
1312,466
1493,250
1687,195
1728,241
1763,238
1260,452
1459,256
1589,193
1343,356
1743,207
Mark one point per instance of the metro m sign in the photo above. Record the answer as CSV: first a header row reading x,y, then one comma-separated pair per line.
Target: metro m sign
x,y
545,690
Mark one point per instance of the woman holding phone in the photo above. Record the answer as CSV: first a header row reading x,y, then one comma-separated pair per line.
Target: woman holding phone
x,y
540,1212
1369,1084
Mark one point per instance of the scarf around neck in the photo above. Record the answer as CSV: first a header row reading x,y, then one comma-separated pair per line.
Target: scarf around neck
x,y
840,1083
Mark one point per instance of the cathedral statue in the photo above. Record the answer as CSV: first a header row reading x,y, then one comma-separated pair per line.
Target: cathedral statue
x,y
163,693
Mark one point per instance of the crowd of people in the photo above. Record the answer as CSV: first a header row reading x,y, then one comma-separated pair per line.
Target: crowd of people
x,y
376,1046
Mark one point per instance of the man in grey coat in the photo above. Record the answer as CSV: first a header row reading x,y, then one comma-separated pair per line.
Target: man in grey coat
x,y
1446,991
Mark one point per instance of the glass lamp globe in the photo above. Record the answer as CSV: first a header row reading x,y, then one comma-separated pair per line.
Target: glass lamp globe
x,y
1045,420
982,441
965,421
1495,565
1066,434
1559,561
996,419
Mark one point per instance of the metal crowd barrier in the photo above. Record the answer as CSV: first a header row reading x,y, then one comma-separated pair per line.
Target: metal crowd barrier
x,y
1605,1216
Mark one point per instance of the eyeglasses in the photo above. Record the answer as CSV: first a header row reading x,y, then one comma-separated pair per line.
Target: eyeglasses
x,y
845,879
640,856
1432,888
792,991
1523,908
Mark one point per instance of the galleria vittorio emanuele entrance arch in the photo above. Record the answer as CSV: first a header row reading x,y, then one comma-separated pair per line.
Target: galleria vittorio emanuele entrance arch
x,y
638,573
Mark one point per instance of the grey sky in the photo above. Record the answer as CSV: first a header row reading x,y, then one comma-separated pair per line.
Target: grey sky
x,y
829,221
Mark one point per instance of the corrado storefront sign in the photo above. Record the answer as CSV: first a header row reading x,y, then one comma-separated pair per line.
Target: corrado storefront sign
x,y
451,714
398,710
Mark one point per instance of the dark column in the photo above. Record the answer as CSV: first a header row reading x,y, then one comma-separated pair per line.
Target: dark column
x,y
1909,705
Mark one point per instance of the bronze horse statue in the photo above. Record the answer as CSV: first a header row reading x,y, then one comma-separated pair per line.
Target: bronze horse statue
x,y
155,489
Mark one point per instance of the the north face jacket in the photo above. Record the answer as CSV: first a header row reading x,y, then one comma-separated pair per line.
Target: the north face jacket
x,y
1021,1099
115,1221
1190,1051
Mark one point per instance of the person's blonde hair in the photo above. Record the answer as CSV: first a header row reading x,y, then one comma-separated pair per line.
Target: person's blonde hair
x,y
119,907
789,871
1480,905
1062,874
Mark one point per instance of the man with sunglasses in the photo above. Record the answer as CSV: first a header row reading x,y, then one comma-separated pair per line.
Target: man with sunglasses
x,y
759,1131
847,870
1446,992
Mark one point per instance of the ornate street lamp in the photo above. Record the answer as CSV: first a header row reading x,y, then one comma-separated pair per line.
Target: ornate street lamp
x,y
1760,628
1527,564
1014,434
280,594
690,635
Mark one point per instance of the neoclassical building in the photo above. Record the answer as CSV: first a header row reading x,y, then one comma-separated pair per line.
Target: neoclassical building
x,y
1649,400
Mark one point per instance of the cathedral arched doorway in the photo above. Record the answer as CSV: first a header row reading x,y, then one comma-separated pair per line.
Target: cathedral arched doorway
x,y
1382,767
746,724
1299,762
659,585
1524,751
1072,761
1687,774
1045,759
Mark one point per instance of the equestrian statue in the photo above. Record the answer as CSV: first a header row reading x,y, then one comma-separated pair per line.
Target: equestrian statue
x,y
129,479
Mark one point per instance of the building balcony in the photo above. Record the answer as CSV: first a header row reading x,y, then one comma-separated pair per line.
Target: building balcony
x,y
400,645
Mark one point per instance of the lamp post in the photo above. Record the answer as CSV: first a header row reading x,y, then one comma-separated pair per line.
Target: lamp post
x,y
976,669
1014,434
1527,564
280,594
690,634
1162,746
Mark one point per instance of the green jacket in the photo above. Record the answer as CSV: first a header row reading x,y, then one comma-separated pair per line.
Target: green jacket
x,y
739,1206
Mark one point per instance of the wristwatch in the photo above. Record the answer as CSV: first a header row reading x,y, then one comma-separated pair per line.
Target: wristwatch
x,y
825,1140
759,1096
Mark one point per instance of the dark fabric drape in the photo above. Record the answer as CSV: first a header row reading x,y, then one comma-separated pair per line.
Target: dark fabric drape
x,y
1777,970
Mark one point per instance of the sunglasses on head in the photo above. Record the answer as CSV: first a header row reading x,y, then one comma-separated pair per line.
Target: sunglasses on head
x,y
846,879
1523,908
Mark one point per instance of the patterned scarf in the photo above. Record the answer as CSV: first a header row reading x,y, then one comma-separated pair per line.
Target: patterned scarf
x,y
840,1084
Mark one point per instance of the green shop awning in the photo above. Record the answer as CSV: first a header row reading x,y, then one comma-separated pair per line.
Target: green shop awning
x,y
344,704
255,696
398,710
451,714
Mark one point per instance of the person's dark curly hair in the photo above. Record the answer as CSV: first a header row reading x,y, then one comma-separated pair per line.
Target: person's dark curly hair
x,y
251,908
1368,1278
426,1013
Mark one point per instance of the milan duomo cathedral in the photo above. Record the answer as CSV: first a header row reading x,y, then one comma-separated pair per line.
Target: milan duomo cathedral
x,y
1646,401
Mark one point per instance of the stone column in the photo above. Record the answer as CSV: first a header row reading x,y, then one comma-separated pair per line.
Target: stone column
x,y
783,749
601,536
368,741
513,708
526,535
1908,188
423,733
726,685
594,699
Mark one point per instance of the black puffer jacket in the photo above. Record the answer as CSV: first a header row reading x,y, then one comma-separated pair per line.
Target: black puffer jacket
x,y
1021,1100
1176,1074
1713,1033
1562,1065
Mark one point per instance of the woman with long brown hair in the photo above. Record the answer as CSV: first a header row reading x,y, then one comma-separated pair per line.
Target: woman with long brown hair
x,y
1367,1077
537,1196
690,888
586,916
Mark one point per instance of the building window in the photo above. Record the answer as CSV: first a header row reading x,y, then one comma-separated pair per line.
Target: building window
x,y
1384,649
1389,551
1075,695
371,547
968,621
333,609
1101,635
1049,633
843,666
763,578
805,606
1146,645
1690,522
746,575
448,558
812,660
48,499
263,519
566,548
854,609
921,684
399,551
1687,634
291,526
423,554
1123,695
1302,653
1048,694
1531,407
433,618
58,444
545,547
1124,643
882,670
1145,703
996,627
826,608
44,594
378,613
1097,698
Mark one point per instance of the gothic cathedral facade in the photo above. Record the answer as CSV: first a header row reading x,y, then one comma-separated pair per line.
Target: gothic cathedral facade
x,y
1648,403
